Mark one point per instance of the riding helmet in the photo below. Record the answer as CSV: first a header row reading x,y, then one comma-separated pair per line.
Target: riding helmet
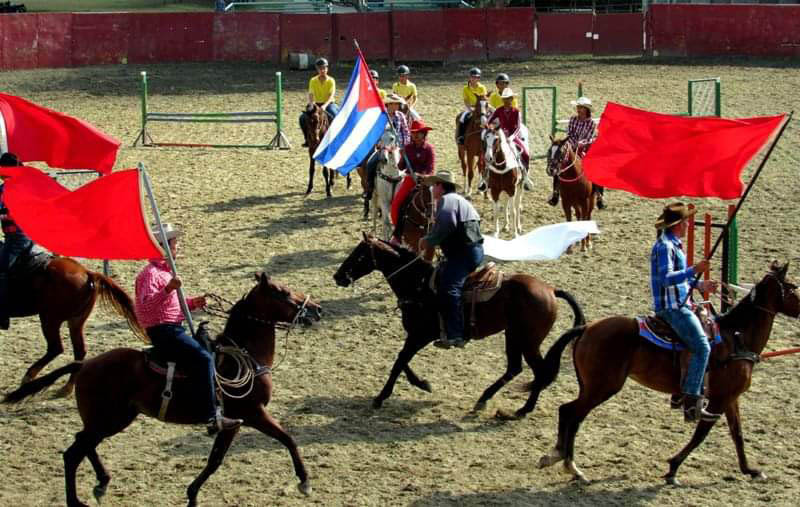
x,y
374,74
321,62
474,72
502,78
403,70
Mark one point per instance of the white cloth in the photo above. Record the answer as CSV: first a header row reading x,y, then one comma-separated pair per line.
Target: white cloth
x,y
543,244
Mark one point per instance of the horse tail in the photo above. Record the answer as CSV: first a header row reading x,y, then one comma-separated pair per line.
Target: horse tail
x,y
114,297
40,384
550,366
580,319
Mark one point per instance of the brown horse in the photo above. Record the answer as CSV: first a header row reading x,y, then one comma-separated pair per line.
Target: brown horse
x,y
576,190
470,151
503,178
524,307
62,290
316,126
417,218
114,387
608,351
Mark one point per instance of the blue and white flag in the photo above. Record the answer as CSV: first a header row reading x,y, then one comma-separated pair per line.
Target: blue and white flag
x,y
358,126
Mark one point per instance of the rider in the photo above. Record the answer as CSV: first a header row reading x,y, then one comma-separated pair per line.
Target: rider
x,y
420,154
159,312
16,242
509,119
376,79
321,91
393,103
581,133
457,229
406,89
472,90
495,96
671,283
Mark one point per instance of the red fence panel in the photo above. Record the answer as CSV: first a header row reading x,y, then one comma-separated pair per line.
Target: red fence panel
x,y
305,33
465,34
171,37
55,40
509,32
370,29
564,33
99,39
618,34
19,41
248,36
418,36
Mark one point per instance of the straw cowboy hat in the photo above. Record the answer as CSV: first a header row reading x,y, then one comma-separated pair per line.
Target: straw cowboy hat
x,y
419,126
441,177
169,230
507,93
673,214
394,98
583,102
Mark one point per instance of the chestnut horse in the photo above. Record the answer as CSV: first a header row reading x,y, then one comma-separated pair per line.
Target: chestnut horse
x,y
62,290
503,177
114,387
470,151
576,190
524,307
608,351
317,124
417,218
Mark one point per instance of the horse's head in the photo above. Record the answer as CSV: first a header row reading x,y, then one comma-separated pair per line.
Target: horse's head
x,y
779,294
494,147
480,114
371,254
273,301
388,140
317,122
557,154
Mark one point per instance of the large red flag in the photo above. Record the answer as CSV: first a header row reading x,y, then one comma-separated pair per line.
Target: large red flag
x,y
35,133
662,155
103,219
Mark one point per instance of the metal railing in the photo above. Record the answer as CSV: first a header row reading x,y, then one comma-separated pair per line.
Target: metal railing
x,y
302,6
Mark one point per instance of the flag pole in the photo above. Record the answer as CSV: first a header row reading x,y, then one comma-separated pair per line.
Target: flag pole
x,y
163,237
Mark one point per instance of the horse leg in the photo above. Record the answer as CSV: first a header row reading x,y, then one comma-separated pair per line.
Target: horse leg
x,y
78,348
415,381
567,214
462,157
700,434
410,348
52,334
349,181
328,177
266,424
311,170
735,427
513,368
221,445
84,444
496,212
506,206
100,471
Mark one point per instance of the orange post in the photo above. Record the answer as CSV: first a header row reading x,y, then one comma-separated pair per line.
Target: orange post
x,y
690,239
707,248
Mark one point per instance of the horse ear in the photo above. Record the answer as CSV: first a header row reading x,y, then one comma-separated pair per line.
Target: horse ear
x,y
364,233
783,270
264,278
552,139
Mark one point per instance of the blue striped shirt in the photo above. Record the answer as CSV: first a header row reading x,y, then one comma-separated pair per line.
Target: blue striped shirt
x,y
670,278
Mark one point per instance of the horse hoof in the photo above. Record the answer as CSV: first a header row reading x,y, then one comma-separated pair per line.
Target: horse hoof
x,y
64,392
759,476
377,403
305,488
425,386
580,478
99,491
672,480
502,415
480,406
546,461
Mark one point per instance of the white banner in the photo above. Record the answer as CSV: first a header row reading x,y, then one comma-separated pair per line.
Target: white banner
x,y
546,243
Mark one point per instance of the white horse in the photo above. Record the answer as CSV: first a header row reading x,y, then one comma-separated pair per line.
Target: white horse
x,y
504,181
386,180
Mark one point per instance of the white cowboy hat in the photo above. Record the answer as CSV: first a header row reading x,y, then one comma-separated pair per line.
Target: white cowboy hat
x,y
507,93
394,98
583,102
170,231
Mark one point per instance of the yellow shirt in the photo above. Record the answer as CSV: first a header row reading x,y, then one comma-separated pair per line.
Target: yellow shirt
x,y
405,90
496,102
471,94
382,93
322,91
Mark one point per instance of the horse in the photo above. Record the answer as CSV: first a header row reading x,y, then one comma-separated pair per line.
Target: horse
x,y
471,150
524,307
316,126
113,388
417,219
386,180
60,289
504,178
608,351
576,190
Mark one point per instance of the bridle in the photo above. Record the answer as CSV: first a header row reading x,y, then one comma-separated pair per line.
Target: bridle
x,y
480,106
554,162
371,248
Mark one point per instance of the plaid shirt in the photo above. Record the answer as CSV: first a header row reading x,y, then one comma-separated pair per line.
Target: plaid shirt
x,y
670,279
154,305
580,130
400,125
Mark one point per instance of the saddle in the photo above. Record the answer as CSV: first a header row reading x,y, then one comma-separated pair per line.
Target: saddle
x,y
480,286
660,333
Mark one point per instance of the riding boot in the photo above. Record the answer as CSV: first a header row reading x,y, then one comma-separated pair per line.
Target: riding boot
x,y
598,190
4,322
554,198
527,184
221,423
694,409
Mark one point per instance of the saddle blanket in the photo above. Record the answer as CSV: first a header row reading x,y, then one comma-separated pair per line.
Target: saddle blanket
x,y
545,243
648,334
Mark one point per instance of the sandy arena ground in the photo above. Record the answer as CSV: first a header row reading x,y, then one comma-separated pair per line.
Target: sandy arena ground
x,y
243,211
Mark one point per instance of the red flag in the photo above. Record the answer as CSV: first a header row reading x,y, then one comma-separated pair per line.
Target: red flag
x,y
35,133
662,155
103,219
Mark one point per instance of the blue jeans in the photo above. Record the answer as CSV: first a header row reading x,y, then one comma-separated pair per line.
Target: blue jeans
x,y
451,282
174,342
688,327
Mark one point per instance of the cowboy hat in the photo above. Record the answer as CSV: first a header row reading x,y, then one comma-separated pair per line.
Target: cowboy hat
x,y
583,102
419,126
170,231
441,177
394,98
673,214
507,93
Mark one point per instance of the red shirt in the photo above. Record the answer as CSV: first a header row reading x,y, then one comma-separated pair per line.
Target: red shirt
x,y
422,158
154,305
509,119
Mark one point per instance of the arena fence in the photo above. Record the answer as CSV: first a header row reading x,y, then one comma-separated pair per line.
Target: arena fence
x,y
705,97
730,249
279,141
539,106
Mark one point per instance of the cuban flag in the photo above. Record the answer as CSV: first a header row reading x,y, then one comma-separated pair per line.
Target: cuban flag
x,y
358,126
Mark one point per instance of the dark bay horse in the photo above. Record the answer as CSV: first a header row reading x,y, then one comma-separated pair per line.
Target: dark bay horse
x,y
608,351
471,150
317,125
576,190
114,387
524,307
65,291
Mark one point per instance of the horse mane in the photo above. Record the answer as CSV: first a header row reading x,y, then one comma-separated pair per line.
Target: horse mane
x,y
238,324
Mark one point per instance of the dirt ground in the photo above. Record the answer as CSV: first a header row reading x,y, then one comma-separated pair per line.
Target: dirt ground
x,y
243,211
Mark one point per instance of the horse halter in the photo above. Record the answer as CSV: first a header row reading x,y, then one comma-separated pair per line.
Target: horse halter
x,y
786,288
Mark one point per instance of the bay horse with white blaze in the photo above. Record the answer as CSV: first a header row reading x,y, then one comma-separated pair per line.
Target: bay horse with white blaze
x,y
316,126
608,351
576,189
524,307
469,153
504,181
114,387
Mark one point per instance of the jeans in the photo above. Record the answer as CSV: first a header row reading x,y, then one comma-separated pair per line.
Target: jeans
x,y
451,282
174,342
15,245
688,327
